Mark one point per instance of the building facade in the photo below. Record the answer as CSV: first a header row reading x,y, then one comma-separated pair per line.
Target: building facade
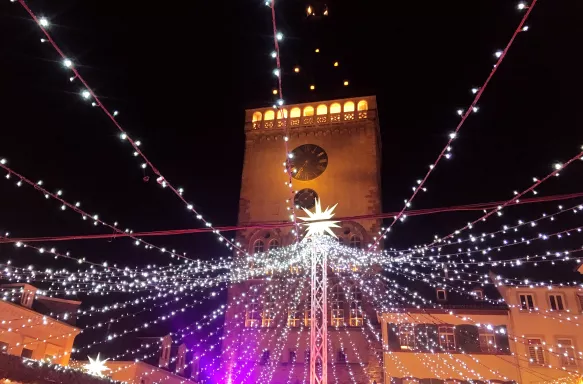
x,y
28,330
335,156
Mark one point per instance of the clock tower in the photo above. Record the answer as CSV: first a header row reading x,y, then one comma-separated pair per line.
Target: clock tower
x,y
334,151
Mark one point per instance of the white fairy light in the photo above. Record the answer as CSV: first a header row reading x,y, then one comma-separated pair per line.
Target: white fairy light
x,y
43,22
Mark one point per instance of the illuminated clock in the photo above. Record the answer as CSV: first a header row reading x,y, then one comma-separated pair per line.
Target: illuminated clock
x,y
308,161
305,198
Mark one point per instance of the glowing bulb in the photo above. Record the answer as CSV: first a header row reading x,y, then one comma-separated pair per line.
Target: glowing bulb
x,y
558,166
474,90
274,54
279,35
67,63
521,6
452,135
276,72
460,112
85,93
2,161
297,69
280,102
312,87
144,165
43,21
345,83
317,50
123,136
138,143
498,54
525,28
274,91
335,63
115,113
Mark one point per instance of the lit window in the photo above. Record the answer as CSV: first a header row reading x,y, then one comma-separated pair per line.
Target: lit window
x,y
487,341
322,109
337,302
355,241
269,115
478,294
268,313
335,108
252,308
566,352
258,246
527,302
309,111
349,106
257,116
295,112
362,105
279,113
273,244
293,317
407,336
536,352
447,337
441,295
356,318
557,302
341,356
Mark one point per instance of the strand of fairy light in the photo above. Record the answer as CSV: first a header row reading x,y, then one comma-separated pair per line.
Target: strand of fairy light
x,y
446,151
88,93
277,36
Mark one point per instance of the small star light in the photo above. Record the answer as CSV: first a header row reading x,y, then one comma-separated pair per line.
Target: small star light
x,y
318,221
96,367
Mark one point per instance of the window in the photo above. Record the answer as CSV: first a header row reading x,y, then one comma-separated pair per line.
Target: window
x,y
557,301
478,294
341,356
258,246
566,352
279,113
349,106
295,112
527,302
441,295
252,308
355,241
536,354
26,353
356,318
309,111
264,357
257,116
407,337
362,105
335,108
273,244
580,298
269,115
322,109
487,341
337,301
268,314
293,317
447,337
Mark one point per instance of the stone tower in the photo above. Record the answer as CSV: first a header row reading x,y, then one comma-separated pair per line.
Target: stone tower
x,y
336,152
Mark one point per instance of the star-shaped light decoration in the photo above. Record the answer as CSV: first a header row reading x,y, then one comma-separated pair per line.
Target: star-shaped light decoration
x,y
96,367
318,222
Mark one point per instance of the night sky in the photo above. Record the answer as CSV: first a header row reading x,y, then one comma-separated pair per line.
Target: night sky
x,y
181,75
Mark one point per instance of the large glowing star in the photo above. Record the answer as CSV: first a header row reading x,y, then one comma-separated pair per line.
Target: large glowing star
x,y
96,367
318,222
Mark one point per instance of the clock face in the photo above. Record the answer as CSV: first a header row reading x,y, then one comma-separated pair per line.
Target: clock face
x,y
305,198
308,162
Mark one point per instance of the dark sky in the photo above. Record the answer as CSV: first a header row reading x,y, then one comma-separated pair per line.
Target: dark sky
x,y
182,73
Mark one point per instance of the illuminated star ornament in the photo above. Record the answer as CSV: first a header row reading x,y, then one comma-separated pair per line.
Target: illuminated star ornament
x,y
318,222
96,367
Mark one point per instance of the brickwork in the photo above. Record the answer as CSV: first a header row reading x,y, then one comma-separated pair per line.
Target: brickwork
x,y
351,179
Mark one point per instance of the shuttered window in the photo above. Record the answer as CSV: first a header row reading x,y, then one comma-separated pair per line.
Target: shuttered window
x,y
536,353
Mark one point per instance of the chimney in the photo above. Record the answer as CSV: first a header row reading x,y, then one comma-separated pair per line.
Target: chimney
x,y
28,293
164,360
181,359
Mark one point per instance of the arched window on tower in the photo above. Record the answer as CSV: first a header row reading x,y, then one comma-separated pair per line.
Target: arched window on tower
x,y
258,246
322,109
252,308
282,112
356,318
295,112
309,111
362,105
273,244
335,108
355,241
337,304
349,106
257,116
270,115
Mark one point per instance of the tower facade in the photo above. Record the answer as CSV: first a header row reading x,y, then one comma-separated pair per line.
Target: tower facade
x,y
335,156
